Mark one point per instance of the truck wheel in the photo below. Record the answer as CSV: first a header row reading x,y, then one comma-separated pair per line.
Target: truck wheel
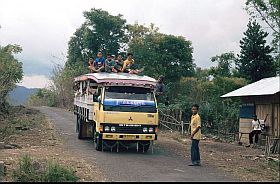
x,y
98,144
77,124
93,134
80,128
145,146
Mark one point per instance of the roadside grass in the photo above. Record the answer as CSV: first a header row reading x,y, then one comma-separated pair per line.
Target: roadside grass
x,y
29,170
275,165
19,120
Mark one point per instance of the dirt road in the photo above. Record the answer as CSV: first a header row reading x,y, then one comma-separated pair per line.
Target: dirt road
x,y
163,165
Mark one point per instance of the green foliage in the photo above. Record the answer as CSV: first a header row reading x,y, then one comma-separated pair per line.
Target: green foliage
x,y
161,54
216,112
101,31
29,170
43,97
224,67
255,61
269,12
10,72
58,173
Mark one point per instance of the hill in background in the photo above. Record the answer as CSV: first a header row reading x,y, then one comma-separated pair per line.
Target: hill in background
x,y
20,95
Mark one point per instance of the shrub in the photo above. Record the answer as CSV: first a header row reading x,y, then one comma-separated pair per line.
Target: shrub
x,y
29,170
58,173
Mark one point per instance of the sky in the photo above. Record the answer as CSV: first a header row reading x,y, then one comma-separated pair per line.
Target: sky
x,y
43,27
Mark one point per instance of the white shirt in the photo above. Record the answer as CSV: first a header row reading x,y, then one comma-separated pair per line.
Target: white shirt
x,y
256,124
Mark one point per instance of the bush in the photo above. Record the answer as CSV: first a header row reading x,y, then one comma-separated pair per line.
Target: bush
x,y
29,170
58,173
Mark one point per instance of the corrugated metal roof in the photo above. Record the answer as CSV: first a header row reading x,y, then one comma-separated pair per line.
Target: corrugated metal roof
x,y
266,86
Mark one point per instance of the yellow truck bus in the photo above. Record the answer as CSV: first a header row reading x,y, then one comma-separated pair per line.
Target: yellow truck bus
x,y
116,110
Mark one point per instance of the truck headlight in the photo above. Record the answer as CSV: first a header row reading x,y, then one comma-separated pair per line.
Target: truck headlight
x,y
151,129
145,129
113,129
107,128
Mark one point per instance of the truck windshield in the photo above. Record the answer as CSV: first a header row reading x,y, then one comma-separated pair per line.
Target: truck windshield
x,y
129,99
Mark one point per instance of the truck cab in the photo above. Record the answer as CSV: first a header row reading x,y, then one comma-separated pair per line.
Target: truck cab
x,y
116,109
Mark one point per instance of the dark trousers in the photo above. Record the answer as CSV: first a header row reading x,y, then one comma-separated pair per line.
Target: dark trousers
x,y
195,155
252,134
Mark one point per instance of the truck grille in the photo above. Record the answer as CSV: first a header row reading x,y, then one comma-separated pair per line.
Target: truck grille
x,y
128,128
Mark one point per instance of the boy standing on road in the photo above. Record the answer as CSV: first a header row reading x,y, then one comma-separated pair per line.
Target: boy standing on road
x,y
195,136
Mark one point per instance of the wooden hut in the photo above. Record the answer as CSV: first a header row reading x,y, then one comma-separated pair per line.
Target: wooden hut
x,y
260,98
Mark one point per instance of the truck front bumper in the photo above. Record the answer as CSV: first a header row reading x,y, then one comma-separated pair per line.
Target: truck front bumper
x,y
120,136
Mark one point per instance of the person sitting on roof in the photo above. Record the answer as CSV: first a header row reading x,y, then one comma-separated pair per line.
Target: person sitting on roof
x,y
129,65
119,63
91,65
110,64
99,63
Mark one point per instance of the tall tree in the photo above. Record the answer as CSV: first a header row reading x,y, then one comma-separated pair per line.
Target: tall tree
x,y
100,31
269,12
10,71
255,61
224,67
161,54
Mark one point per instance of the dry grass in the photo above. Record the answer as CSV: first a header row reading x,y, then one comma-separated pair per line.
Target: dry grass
x,y
41,142
228,157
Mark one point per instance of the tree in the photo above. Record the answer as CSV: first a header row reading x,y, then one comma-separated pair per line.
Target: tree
x,y
161,54
10,71
269,12
224,67
101,31
255,61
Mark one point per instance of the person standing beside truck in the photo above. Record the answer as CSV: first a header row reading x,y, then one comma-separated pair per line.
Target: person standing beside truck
x,y
195,136
160,88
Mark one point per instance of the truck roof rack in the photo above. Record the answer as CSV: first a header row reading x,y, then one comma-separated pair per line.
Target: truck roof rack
x,y
121,79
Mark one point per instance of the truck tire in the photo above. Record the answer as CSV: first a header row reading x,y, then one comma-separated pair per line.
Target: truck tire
x,y
77,124
93,134
98,144
144,145
80,128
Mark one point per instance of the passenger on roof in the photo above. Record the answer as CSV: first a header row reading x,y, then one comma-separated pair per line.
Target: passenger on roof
x,y
119,63
129,65
91,65
98,65
110,64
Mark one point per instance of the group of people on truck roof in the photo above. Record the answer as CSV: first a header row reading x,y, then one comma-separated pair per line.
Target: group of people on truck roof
x,y
110,64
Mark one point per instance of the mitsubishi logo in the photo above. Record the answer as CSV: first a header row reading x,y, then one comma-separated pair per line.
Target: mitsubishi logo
x,y
130,119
